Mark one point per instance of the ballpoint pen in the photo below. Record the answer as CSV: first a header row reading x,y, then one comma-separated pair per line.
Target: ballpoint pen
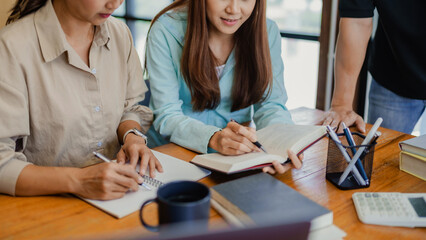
x,y
367,140
105,159
355,171
351,143
376,136
256,143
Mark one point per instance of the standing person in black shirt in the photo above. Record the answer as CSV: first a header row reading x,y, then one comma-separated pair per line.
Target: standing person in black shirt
x,y
396,62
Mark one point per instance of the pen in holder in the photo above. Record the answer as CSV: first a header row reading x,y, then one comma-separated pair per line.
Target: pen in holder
x,y
337,163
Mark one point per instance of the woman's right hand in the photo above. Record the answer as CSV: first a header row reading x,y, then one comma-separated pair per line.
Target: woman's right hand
x,y
235,139
106,181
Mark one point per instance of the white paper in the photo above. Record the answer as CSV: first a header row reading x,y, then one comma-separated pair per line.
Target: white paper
x,y
174,169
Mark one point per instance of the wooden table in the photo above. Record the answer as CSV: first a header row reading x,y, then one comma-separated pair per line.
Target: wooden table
x,y
69,217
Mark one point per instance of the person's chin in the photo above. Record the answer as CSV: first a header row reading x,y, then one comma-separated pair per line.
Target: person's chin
x,y
98,22
229,31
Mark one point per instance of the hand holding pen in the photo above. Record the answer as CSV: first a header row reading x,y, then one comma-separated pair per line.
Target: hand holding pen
x,y
255,142
234,139
104,181
139,178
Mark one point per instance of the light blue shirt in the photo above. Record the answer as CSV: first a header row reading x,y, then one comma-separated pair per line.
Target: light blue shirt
x,y
174,119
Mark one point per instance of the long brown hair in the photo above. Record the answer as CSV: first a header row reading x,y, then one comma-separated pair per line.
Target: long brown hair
x,y
23,8
253,70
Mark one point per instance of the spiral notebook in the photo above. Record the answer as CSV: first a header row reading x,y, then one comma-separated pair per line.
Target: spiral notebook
x,y
174,169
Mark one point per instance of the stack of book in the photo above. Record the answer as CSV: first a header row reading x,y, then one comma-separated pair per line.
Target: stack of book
x,y
413,156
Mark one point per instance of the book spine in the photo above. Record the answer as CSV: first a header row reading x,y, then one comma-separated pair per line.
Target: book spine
x,y
232,209
231,219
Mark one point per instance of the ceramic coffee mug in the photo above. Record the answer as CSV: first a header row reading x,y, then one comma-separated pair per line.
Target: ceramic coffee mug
x,y
182,203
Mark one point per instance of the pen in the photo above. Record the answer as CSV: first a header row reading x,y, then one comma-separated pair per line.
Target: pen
x,y
105,159
351,143
376,136
367,140
257,144
355,171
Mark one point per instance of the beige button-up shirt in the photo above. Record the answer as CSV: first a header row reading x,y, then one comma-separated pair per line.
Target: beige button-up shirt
x,y
54,109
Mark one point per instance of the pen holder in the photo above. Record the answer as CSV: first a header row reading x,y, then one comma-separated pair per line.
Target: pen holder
x,y
336,162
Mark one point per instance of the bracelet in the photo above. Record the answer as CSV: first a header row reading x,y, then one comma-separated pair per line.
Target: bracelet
x,y
137,133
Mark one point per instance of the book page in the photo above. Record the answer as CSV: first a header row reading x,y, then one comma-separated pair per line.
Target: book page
x,y
235,163
279,137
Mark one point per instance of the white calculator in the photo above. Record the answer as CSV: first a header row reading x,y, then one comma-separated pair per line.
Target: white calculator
x,y
391,208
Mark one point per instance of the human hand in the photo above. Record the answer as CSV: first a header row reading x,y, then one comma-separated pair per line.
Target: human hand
x,y
336,115
235,139
296,162
134,148
106,181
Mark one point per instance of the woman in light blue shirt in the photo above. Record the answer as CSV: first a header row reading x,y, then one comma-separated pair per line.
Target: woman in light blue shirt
x,y
212,61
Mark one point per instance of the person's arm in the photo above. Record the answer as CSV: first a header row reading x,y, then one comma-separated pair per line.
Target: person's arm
x,y
273,109
101,181
351,48
166,102
135,116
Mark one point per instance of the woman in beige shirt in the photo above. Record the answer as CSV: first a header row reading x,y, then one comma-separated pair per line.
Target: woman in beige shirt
x,y
70,84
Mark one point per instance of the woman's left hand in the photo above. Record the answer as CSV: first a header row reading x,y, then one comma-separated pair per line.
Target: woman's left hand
x,y
134,148
296,162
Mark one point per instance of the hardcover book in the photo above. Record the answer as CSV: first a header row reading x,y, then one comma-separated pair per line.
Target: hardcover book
x,y
276,139
415,145
261,199
413,164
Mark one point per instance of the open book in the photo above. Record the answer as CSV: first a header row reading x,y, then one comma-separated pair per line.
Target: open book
x,y
276,139
174,169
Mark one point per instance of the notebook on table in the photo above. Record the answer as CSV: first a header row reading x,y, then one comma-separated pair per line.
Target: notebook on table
x,y
174,169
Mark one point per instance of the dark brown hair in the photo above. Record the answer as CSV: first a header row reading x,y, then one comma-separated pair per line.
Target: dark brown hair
x,y
23,8
253,70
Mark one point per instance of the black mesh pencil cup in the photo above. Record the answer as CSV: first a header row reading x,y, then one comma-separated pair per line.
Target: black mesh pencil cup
x,y
337,163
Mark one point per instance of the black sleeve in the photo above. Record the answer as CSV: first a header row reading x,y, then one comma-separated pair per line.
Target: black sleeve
x,y
356,8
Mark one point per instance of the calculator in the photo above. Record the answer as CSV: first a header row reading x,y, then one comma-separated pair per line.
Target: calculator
x,y
391,208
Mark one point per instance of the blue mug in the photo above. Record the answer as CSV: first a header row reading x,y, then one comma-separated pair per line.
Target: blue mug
x,y
181,203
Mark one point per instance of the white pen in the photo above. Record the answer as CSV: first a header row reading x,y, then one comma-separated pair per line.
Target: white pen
x,y
105,159
335,138
367,140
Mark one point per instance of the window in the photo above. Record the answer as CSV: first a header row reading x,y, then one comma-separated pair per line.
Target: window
x,y
138,15
300,24
298,20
